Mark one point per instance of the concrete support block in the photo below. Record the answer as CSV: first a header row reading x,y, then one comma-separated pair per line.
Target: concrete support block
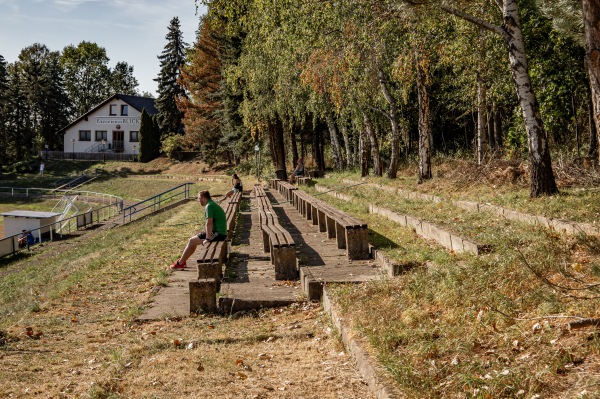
x,y
330,227
472,247
321,221
285,263
210,270
314,215
357,243
203,296
457,243
340,235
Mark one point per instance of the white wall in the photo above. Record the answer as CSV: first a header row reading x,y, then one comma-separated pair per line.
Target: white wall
x,y
101,119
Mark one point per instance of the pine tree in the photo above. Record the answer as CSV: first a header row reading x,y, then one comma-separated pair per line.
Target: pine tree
x,y
169,89
146,137
3,110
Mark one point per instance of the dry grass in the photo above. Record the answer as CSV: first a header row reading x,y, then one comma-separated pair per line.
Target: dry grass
x,y
67,329
506,183
492,326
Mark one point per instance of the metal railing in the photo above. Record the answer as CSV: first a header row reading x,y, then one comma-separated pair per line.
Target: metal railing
x,y
89,156
114,207
50,232
156,203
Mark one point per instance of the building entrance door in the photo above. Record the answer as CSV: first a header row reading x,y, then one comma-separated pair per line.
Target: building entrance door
x,y
118,140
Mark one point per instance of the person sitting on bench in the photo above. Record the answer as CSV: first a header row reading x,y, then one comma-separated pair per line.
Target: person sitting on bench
x,y
30,239
23,239
236,182
216,229
299,171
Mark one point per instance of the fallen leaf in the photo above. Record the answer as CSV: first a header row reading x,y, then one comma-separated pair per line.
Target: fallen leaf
x,y
242,375
176,342
200,367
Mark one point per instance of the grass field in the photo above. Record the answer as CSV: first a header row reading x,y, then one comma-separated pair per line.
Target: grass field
x,y
451,326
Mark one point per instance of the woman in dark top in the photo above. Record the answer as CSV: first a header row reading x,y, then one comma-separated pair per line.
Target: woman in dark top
x,y
236,182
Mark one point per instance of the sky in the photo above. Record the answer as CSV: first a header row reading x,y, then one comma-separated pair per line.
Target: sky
x,y
130,30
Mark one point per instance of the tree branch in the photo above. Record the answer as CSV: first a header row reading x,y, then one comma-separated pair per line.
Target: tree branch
x,y
378,110
480,22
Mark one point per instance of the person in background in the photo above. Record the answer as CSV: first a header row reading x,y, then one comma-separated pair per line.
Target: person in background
x,y
236,182
30,239
215,230
299,171
23,238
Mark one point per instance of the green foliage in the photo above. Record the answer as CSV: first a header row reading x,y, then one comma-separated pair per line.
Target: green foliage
x,y
172,146
171,59
149,138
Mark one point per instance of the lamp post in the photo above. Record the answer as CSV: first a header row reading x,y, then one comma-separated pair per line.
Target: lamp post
x,y
134,153
46,146
257,151
73,153
103,150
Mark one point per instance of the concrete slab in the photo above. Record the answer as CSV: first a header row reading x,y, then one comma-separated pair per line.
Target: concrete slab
x,y
249,279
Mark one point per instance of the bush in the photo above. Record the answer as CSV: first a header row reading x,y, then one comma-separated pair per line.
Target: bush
x,y
171,146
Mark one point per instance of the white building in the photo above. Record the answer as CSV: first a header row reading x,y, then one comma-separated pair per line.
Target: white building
x,y
111,126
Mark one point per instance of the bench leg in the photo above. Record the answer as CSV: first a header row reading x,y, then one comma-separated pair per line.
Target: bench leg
x,y
330,228
340,234
314,217
307,210
203,296
357,242
322,223
285,263
266,242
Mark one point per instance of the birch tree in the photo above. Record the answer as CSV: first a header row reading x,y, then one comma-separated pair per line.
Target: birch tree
x,y
542,178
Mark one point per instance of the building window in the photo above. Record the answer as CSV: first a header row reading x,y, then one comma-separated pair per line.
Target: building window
x,y
101,135
124,110
134,137
85,135
113,110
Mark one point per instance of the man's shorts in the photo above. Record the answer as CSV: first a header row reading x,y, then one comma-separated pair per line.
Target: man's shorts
x,y
214,237
235,190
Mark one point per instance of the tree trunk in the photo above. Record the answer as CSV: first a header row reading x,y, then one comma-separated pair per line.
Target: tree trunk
x,y
374,145
294,145
424,129
355,144
593,151
591,21
498,128
393,114
542,178
278,149
364,152
491,135
481,118
344,130
335,143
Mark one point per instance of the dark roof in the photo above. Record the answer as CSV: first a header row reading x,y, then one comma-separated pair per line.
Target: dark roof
x,y
139,103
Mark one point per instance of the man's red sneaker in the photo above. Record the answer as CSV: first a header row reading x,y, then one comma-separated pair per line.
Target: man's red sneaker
x,y
178,266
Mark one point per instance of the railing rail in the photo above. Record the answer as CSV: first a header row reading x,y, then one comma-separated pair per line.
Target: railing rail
x,y
10,245
156,202
113,207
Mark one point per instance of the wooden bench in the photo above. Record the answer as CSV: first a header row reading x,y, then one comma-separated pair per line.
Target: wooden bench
x,y
276,240
273,183
351,233
286,189
213,255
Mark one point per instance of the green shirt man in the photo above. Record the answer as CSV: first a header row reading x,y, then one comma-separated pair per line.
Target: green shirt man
x,y
213,211
216,229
